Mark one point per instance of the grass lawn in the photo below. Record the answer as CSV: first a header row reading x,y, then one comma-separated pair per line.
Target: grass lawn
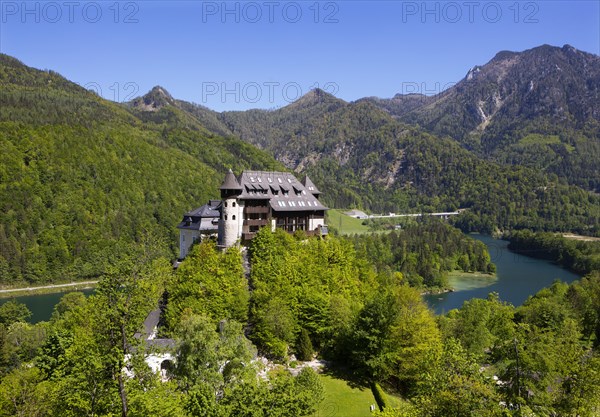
x,y
346,225
342,400
462,281
537,139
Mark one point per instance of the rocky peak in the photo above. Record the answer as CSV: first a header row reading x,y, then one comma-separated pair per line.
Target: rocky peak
x,y
154,100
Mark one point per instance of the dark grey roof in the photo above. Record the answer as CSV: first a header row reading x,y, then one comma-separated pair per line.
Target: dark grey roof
x,y
167,344
312,188
204,218
230,182
147,334
282,189
208,210
151,321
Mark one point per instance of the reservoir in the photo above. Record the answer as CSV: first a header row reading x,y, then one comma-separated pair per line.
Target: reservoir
x,y
42,305
517,277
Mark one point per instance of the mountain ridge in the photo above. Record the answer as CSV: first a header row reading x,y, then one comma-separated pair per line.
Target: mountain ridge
x,y
84,180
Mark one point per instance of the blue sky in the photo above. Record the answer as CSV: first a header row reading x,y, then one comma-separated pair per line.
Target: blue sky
x,y
264,54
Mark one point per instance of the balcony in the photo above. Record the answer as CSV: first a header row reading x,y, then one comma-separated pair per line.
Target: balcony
x,y
256,209
256,222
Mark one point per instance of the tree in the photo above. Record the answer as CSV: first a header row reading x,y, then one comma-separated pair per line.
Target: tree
x,y
456,386
211,283
218,359
479,323
584,299
536,364
68,303
304,349
282,396
23,394
394,331
310,386
13,311
582,389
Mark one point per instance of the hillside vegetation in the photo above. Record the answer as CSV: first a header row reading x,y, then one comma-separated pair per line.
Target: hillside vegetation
x,y
82,179
547,93
364,158
307,297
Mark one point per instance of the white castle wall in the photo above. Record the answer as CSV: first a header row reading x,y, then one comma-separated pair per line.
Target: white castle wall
x,y
186,238
314,223
231,221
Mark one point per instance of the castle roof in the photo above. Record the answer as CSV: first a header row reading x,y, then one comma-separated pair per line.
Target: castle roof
x,y
312,188
282,189
204,218
230,182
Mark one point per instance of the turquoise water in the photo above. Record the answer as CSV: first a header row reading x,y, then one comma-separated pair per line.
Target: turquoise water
x,y
42,305
518,277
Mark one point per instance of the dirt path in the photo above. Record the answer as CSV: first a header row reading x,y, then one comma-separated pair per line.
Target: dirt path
x,y
582,238
71,284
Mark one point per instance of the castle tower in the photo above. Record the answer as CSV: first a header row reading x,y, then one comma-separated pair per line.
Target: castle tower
x,y
231,212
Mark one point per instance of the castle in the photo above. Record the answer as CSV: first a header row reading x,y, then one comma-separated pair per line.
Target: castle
x,y
253,200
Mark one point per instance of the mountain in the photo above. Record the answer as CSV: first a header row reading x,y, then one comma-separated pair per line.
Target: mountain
x,y
154,100
538,108
83,180
365,157
157,105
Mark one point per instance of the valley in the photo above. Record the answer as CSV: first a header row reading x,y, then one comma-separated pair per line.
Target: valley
x,y
92,191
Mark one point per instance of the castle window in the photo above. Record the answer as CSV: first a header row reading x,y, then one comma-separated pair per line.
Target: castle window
x,y
233,204
225,204
226,217
233,217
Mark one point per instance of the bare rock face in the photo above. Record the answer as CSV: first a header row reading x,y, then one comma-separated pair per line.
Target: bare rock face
x,y
551,86
154,100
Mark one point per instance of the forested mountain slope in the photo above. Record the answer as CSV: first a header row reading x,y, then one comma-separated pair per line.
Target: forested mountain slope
x,y
526,123
82,178
538,108
364,157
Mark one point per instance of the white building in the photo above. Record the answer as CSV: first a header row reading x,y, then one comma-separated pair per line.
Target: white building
x,y
252,200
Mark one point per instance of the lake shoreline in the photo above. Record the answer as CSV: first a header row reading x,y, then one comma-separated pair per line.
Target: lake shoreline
x,y
47,289
517,278
458,275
